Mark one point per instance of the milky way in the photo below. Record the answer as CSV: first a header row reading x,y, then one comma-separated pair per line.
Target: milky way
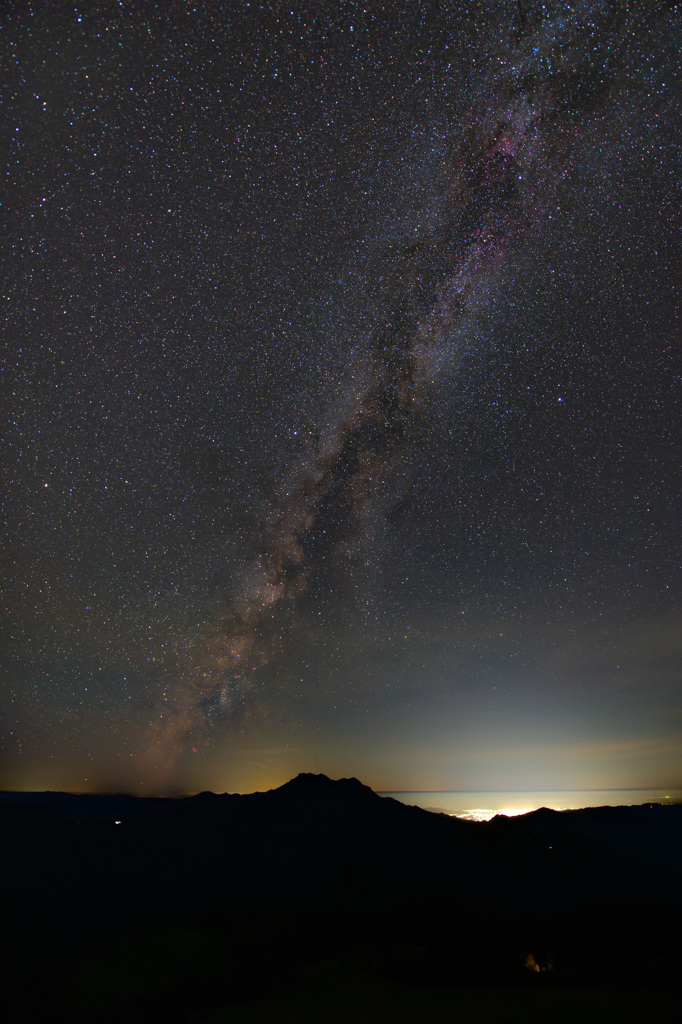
x,y
338,393
555,77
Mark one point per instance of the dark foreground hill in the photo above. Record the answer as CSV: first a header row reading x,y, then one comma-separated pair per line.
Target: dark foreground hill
x,y
288,904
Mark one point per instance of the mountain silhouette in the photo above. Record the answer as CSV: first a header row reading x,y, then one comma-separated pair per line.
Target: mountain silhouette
x,y
321,867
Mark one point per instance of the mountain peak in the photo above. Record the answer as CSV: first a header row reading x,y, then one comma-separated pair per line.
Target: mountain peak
x,y
308,782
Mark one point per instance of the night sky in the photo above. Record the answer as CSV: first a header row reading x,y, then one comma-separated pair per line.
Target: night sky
x,y
340,394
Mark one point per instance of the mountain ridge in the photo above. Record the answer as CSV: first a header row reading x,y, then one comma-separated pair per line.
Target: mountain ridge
x,y
260,874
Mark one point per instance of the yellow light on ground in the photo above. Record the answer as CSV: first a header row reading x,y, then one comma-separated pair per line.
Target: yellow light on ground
x,y
486,813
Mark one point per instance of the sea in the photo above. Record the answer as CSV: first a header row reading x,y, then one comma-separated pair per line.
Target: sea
x,y
484,805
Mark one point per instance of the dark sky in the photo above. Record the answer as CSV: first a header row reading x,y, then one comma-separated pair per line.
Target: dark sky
x,y
340,394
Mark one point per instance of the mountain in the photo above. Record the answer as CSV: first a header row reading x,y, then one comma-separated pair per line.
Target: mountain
x,y
318,869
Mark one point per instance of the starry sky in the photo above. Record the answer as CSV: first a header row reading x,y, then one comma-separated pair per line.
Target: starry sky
x,y
340,394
